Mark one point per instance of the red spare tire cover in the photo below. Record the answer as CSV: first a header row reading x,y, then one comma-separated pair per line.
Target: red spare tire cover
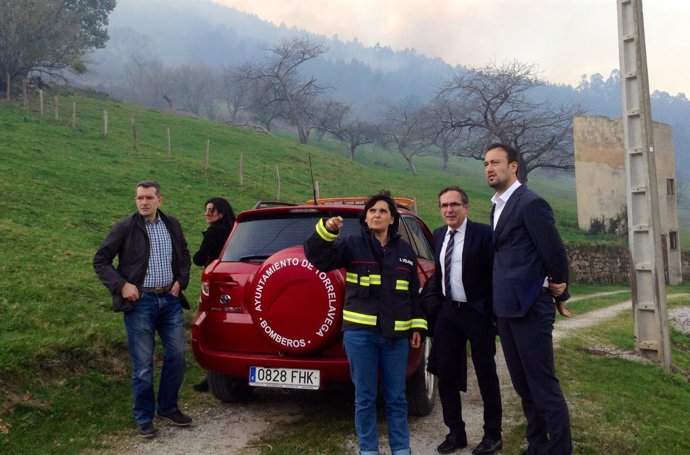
x,y
296,307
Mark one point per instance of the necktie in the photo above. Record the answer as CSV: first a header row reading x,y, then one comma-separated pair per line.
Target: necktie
x,y
447,261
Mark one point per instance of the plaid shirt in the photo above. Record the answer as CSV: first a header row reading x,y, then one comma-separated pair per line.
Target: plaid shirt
x,y
159,272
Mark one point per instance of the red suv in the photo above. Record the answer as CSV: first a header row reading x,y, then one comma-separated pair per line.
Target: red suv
x,y
269,318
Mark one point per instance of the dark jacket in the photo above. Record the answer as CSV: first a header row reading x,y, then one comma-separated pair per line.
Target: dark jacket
x,y
213,242
130,242
382,285
477,257
528,248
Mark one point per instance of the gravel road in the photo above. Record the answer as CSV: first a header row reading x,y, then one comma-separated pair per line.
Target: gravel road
x,y
235,429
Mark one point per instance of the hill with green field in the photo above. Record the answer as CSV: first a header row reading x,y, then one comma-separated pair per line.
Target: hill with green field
x,y
64,185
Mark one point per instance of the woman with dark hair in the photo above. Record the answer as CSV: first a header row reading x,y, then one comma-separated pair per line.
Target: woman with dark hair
x,y
220,219
382,315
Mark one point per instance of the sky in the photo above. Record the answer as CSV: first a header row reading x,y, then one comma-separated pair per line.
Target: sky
x,y
564,38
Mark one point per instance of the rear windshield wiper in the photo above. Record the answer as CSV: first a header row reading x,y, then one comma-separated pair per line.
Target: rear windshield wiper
x,y
254,257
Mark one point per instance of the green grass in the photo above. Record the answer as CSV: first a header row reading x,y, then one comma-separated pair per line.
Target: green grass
x,y
619,406
64,373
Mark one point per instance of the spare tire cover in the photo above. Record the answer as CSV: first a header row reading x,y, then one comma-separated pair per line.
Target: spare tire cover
x,y
295,306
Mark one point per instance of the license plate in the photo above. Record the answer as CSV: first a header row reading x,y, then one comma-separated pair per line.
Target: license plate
x,y
289,378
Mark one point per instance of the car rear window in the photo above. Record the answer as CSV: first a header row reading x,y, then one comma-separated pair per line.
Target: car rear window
x,y
258,238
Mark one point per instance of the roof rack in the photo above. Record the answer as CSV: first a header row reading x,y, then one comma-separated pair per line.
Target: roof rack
x,y
266,204
404,202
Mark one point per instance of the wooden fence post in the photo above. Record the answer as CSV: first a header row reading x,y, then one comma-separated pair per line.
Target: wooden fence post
x,y
105,123
9,80
57,109
241,168
74,114
24,91
317,191
134,133
208,149
40,101
167,131
278,183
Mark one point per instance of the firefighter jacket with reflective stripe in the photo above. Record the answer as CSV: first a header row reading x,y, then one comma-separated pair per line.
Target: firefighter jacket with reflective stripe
x,y
382,285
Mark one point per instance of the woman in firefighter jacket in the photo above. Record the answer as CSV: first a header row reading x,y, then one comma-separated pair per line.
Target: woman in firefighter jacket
x,y
382,316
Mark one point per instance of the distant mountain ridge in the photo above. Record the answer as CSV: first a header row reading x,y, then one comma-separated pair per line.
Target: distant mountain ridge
x,y
199,32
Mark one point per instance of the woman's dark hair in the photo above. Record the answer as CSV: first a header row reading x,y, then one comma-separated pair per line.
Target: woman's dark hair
x,y
384,195
224,207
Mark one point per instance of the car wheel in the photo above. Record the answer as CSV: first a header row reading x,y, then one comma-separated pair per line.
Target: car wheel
x,y
227,389
421,387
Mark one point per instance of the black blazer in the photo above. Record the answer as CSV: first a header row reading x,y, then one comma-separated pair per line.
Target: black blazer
x,y
528,248
477,257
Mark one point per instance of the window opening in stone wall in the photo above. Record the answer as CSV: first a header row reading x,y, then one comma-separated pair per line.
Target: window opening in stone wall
x,y
670,187
673,240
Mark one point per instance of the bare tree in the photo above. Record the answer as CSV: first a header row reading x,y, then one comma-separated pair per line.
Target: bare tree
x,y
148,81
491,103
236,91
403,128
334,117
194,86
437,119
280,78
263,96
48,36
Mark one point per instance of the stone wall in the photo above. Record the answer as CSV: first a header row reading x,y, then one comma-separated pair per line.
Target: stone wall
x,y
606,264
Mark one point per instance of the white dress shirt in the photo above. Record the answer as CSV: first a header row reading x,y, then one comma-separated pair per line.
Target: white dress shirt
x,y
502,200
456,287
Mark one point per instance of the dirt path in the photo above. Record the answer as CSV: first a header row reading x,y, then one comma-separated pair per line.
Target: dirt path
x,y
234,429
428,432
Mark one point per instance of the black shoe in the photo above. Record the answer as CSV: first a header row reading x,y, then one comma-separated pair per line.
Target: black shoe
x,y
146,430
488,446
201,386
454,440
177,418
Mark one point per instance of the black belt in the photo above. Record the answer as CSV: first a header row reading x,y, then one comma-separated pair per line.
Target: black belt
x,y
456,303
163,290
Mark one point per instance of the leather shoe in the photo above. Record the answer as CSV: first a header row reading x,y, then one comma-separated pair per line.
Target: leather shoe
x,y
454,440
488,446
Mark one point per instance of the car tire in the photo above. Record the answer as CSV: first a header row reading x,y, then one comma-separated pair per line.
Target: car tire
x,y
228,389
421,387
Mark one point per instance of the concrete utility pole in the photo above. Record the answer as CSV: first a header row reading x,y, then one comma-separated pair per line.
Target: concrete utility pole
x,y
644,229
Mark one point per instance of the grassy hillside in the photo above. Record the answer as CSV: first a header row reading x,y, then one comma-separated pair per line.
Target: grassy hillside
x,y
63,357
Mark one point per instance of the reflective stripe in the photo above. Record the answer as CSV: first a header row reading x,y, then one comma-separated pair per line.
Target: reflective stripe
x,y
359,318
363,280
402,285
323,232
411,324
419,324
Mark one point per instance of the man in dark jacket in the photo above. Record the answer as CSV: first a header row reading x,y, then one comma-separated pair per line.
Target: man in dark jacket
x,y
463,256
530,280
153,269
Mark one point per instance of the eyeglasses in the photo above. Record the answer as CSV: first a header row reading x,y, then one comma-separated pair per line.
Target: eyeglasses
x,y
452,205
210,212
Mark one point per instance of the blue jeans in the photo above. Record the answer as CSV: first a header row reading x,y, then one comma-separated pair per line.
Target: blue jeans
x,y
153,313
370,353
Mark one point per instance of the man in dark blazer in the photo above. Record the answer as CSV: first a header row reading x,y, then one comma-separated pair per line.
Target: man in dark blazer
x,y
464,266
530,275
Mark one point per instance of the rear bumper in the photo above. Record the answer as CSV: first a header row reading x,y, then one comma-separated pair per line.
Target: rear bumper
x,y
334,369
236,364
